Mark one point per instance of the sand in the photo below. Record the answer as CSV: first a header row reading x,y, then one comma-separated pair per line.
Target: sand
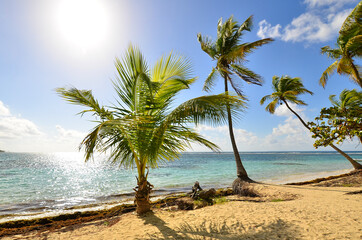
x,y
314,213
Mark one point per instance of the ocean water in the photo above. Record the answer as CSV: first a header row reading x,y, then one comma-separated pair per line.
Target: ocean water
x,y
44,182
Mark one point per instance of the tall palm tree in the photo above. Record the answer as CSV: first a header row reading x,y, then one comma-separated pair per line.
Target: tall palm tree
x,y
142,129
287,89
349,45
230,54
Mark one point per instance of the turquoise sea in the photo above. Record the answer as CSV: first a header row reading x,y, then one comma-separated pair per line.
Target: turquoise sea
x,y
53,182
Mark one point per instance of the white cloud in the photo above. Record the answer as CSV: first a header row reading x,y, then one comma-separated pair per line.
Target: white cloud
x,y
266,30
20,134
321,22
291,135
4,111
332,5
283,111
15,127
69,134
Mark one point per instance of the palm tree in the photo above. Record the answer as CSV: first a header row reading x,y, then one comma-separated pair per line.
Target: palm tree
x,y
348,99
348,106
141,129
230,54
349,45
287,89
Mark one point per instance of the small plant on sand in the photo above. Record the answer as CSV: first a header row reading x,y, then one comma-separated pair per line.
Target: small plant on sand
x,y
277,200
145,127
219,200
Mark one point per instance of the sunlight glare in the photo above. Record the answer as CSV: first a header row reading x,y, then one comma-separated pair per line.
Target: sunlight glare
x,y
83,23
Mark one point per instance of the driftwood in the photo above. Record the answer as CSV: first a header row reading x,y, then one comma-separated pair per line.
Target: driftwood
x,y
195,190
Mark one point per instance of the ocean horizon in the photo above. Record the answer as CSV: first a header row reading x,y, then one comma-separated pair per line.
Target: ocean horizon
x,y
46,183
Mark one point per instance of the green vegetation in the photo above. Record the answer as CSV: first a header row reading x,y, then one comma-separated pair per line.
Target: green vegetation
x,y
277,200
341,121
220,200
287,89
230,54
349,46
141,130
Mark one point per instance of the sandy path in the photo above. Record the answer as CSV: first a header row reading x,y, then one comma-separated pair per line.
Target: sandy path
x,y
319,213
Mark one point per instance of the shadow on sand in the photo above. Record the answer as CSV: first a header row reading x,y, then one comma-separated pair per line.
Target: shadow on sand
x,y
215,230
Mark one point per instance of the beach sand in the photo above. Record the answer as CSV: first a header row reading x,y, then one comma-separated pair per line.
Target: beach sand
x,y
314,213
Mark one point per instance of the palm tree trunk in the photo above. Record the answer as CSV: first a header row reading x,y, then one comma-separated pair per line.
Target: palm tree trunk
x,y
240,170
142,197
354,163
296,114
355,72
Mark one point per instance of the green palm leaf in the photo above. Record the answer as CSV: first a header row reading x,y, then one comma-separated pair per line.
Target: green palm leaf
x,y
349,45
327,73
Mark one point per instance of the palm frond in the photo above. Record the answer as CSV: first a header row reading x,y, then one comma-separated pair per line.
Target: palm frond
x,y
210,80
331,53
236,85
84,98
354,46
239,53
351,25
207,109
327,73
247,75
246,25
207,45
265,98
272,106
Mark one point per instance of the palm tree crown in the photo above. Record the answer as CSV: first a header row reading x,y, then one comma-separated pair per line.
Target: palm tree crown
x,y
285,89
230,53
349,45
348,99
142,129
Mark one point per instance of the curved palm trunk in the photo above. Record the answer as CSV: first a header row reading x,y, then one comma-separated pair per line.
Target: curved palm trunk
x,y
142,197
240,170
356,73
355,164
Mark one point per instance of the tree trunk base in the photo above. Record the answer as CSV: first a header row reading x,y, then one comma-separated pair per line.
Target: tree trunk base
x,y
142,198
356,165
239,182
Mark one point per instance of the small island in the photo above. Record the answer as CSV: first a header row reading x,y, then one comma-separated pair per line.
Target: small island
x,y
2,151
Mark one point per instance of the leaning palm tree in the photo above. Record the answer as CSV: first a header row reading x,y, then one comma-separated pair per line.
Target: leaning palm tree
x,y
230,54
287,89
142,129
349,46
349,107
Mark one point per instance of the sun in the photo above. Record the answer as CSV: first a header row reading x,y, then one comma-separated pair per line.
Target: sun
x,y
82,23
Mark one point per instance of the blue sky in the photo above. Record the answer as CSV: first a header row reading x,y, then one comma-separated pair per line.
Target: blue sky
x,y
45,44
